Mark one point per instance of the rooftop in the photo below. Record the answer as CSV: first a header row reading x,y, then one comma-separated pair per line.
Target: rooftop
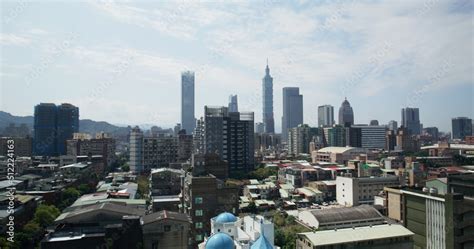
x,y
348,235
331,215
165,215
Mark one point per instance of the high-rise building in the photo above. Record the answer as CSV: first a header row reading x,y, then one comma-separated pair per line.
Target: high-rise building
x,y
188,121
198,136
233,105
335,136
411,120
102,145
372,136
231,136
462,127
67,125
136,151
300,137
346,114
433,132
325,115
54,125
292,110
267,93
392,125
259,127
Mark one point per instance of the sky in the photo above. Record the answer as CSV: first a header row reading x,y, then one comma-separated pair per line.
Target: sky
x,y
120,61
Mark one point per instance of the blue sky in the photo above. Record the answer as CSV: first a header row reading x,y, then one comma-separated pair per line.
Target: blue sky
x,y
120,61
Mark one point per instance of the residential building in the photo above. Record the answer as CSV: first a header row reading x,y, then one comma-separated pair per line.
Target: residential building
x,y
461,127
102,145
346,114
188,121
205,197
292,110
185,146
325,115
405,140
368,237
432,132
392,125
411,120
136,150
339,155
267,102
354,191
231,136
23,146
165,181
166,230
300,137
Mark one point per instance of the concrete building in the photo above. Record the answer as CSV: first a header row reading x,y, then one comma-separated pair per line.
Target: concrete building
x,y
136,151
411,120
461,127
166,230
231,136
352,191
23,146
405,140
267,102
233,104
392,125
368,237
346,114
292,110
198,136
101,144
372,136
437,221
433,132
165,181
205,197
339,155
300,137
185,146
188,121
335,136
325,115
338,218
259,127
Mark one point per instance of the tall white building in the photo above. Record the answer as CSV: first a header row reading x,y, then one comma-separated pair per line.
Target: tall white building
x,y
188,121
136,150
353,191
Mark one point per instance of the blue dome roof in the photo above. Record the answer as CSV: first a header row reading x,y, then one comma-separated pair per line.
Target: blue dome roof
x,y
220,241
226,218
262,243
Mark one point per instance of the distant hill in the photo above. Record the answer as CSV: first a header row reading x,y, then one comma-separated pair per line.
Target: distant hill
x,y
85,125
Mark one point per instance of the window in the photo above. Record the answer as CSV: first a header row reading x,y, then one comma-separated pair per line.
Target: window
x,y
198,200
199,237
198,212
198,225
167,228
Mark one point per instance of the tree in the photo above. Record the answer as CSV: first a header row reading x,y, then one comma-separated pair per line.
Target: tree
x,y
46,214
125,168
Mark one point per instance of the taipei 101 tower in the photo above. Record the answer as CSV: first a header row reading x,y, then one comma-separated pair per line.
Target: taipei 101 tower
x,y
267,88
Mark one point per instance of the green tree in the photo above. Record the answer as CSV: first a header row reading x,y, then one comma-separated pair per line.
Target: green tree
x,y
125,168
45,215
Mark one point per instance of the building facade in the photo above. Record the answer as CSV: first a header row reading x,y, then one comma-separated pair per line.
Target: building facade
x,y
346,114
325,115
233,104
188,121
411,120
461,127
292,110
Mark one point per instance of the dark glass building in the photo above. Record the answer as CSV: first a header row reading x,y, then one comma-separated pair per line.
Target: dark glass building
x,y
292,110
462,127
267,88
346,114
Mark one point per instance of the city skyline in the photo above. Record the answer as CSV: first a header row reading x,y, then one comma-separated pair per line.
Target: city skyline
x,y
71,61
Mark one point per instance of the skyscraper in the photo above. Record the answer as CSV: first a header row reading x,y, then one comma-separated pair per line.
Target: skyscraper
x,y
231,136
267,93
53,126
67,125
325,115
233,105
292,110
462,127
346,114
45,138
411,120
136,150
392,125
188,121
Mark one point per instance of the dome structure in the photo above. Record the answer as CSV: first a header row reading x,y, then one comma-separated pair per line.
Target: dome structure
x,y
262,243
220,241
225,218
